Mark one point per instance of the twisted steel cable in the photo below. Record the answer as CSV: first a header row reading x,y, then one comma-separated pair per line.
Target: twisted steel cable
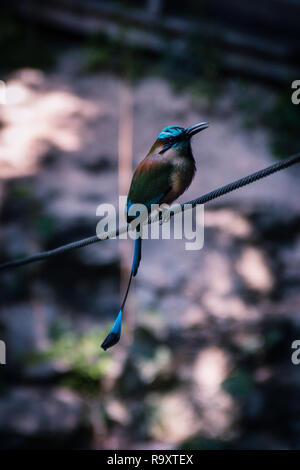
x,y
216,193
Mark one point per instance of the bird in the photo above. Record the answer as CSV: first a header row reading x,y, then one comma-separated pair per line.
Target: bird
x,y
161,177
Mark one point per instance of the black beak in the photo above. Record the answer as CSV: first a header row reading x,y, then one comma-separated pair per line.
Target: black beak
x,y
196,128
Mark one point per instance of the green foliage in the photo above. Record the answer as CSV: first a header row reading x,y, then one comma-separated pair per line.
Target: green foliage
x,y
273,338
13,287
114,54
202,443
82,357
22,191
251,105
194,65
278,115
44,226
239,384
283,120
21,46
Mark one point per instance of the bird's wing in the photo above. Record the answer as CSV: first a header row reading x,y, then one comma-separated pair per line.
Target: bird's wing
x,y
151,182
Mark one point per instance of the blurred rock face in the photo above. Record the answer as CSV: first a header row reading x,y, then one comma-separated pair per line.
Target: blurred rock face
x,y
31,414
213,328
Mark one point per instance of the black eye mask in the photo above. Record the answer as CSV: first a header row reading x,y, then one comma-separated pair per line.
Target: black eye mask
x,y
168,145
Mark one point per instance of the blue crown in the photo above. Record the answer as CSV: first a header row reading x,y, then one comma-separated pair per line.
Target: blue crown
x,y
171,131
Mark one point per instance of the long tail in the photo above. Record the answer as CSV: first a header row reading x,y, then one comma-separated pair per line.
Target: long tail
x,y
115,333
136,256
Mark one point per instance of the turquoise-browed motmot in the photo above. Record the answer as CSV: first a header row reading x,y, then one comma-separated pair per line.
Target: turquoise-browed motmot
x,y
164,174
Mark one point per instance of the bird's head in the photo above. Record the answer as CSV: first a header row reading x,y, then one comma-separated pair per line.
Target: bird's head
x,y
176,136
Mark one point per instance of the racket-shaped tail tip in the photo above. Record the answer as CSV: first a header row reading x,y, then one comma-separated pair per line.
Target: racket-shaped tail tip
x,y
114,335
110,340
